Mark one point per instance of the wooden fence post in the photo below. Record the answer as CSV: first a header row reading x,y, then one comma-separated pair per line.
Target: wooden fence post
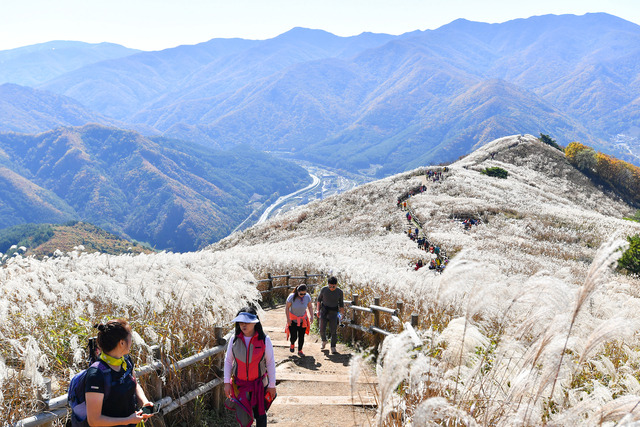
x,y
270,286
306,276
414,320
218,365
156,385
355,299
400,310
44,395
376,323
287,282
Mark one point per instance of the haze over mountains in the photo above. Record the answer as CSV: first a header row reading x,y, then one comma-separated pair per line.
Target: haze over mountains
x,y
32,65
391,101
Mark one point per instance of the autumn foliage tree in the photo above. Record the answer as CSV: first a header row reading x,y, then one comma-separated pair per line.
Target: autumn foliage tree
x,y
620,175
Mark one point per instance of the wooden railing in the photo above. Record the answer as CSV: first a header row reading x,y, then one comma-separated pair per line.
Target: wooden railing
x,y
56,408
305,280
376,310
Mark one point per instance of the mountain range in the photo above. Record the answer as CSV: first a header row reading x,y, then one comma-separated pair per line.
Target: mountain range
x,y
35,64
380,101
170,194
373,104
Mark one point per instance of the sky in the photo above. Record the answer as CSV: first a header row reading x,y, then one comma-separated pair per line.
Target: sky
x,y
160,24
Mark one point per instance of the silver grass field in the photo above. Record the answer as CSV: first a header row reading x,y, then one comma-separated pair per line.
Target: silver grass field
x,y
530,323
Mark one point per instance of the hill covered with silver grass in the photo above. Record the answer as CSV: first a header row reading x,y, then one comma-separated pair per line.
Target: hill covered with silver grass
x,y
528,324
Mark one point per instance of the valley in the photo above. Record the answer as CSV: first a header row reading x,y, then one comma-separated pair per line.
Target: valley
x,y
326,182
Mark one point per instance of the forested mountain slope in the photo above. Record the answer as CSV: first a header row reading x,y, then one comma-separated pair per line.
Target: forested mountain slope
x,y
171,194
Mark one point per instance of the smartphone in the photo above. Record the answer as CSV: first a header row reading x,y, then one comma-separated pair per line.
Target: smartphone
x,y
150,409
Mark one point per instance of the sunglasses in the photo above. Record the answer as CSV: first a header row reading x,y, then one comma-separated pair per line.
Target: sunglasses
x,y
302,293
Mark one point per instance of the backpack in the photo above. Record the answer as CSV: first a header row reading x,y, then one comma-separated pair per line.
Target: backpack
x,y
76,397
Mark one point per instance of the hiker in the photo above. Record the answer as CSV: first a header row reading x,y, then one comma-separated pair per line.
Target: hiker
x,y
419,265
124,392
298,323
250,385
330,300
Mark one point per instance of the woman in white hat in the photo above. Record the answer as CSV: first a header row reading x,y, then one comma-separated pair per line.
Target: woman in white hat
x,y
249,370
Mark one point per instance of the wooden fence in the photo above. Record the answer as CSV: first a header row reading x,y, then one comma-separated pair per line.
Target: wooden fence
x,y
376,310
304,278
56,408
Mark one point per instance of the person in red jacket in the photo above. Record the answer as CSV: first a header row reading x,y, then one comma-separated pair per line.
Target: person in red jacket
x,y
249,370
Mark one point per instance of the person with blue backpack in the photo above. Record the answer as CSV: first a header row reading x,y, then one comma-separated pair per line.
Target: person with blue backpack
x,y
111,391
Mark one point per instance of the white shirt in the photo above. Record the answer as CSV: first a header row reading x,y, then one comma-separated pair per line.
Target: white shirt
x,y
268,357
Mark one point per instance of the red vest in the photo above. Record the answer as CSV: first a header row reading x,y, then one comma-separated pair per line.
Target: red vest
x,y
249,363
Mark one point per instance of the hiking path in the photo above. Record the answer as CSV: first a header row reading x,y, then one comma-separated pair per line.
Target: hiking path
x,y
315,390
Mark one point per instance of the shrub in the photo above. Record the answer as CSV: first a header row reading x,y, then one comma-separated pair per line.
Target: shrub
x,y
495,171
635,217
630,260
549,141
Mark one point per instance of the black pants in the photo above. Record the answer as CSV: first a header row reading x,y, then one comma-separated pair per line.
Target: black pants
x,y
331,317
261,420
297,332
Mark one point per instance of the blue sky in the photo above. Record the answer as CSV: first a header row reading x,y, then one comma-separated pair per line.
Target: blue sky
x,y
159,24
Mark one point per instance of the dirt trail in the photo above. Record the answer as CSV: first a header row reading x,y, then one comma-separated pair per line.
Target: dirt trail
x,y
315,390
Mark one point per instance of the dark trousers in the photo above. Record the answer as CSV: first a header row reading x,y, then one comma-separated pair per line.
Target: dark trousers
x,y
297,332
330,316
261,420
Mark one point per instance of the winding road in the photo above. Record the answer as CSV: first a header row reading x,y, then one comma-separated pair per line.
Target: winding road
x,y
283,199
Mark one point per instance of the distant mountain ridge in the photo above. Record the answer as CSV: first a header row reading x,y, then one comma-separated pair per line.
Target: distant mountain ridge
x,y
381,102
27,110
35,64
390,101
171,194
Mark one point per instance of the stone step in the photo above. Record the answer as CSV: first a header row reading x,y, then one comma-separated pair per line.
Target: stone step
x,y
325,400
282,375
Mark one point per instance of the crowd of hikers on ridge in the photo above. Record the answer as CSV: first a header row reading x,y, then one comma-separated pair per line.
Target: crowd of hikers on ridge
x,y
437,257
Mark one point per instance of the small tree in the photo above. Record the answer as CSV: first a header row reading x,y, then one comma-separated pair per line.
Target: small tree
x,y
549,141
495,171
630,260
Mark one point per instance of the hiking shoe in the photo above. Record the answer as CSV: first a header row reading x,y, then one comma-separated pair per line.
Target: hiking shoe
x,y
333,350
300,353
324,345
291,348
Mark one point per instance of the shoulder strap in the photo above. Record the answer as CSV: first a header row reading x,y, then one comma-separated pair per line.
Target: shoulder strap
x,y
106,374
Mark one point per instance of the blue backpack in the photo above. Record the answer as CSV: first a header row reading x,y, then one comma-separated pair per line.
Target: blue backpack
x,y
76,397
